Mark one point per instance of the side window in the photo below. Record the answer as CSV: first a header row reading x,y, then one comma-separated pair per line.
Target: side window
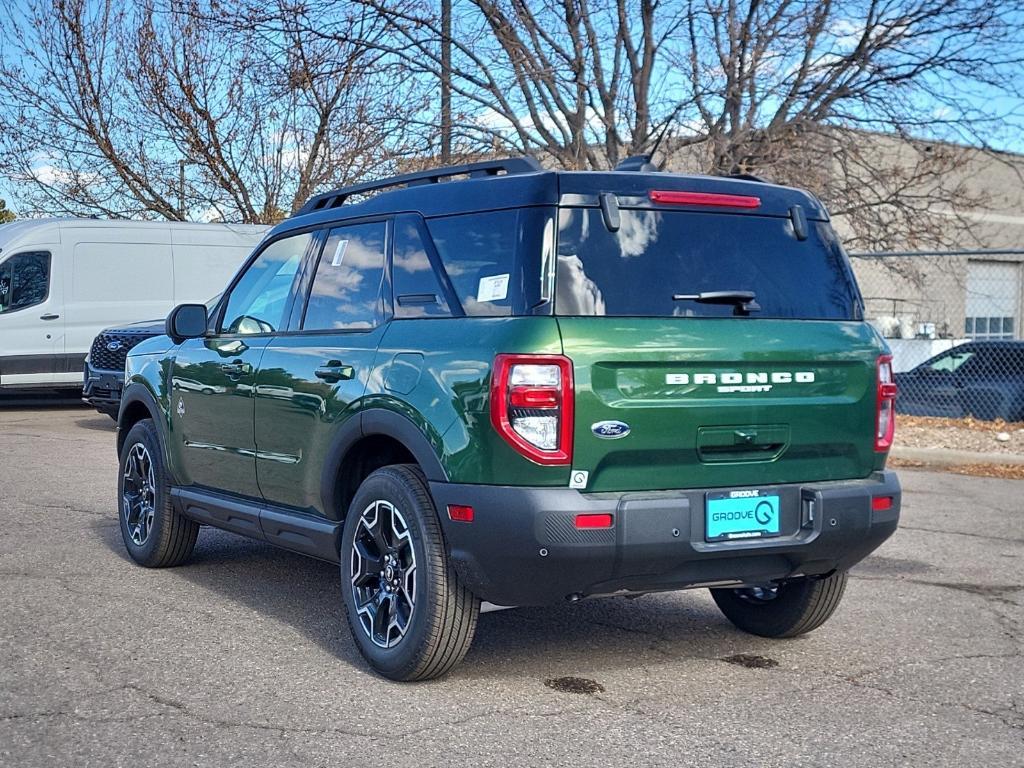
x,y
346,288
417,290
951,360
980,362
24,280
478,252
257,302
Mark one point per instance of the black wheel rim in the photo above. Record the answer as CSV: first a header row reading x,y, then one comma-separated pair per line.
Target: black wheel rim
x,y
138,494
383,574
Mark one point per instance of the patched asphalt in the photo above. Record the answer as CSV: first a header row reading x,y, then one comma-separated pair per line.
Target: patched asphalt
x,y
243,657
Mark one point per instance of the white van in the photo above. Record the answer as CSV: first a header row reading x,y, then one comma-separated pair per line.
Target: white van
x,y
62,281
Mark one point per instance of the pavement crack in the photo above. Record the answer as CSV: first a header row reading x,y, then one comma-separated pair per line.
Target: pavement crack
x,y
69,508
653,646
35,715
221,722
994,592
988,537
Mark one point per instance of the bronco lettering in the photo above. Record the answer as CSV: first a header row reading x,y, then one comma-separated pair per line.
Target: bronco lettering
x,y
752,381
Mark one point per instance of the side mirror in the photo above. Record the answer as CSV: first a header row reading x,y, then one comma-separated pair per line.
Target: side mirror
x,y
186,321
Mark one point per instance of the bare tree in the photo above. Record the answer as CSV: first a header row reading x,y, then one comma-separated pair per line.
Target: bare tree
x,y
575,81
878,106
163,111
869,104
881,107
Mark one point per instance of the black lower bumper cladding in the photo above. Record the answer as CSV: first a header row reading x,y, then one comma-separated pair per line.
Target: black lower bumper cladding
x,y
524,547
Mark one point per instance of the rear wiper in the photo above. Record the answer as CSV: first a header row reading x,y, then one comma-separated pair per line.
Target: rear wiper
x,y
744,302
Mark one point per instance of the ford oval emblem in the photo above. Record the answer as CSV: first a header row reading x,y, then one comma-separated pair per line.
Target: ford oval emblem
x,y
114,346
610,430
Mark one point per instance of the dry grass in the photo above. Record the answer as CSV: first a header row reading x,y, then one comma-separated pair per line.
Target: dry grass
x,y
969,422
959,434
962,434
1002,471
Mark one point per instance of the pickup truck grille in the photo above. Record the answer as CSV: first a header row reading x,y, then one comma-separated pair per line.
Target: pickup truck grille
x,y
102,357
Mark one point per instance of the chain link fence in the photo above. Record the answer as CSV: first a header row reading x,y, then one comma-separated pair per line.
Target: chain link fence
x,y
955,326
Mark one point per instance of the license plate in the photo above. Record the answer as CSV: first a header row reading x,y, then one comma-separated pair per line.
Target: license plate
x,y
742,515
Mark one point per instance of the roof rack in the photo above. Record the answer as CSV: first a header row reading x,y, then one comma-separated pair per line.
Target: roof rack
x,y
337,197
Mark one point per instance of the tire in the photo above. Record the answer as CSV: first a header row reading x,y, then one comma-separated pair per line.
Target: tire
x,y
430,617
154,534
793,608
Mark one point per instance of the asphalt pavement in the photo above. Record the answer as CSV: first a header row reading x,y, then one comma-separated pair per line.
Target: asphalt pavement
x,y
243,657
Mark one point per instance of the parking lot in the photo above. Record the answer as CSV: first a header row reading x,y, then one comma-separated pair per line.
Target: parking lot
x,y
243,656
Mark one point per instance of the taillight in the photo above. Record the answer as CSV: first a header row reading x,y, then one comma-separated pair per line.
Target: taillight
x,y
713,199
531,405
885,420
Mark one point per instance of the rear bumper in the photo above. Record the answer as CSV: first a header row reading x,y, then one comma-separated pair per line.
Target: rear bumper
x,y
523,548
102,389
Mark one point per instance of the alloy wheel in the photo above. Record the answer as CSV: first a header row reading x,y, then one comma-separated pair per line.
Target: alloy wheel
x,y
383,573
138,494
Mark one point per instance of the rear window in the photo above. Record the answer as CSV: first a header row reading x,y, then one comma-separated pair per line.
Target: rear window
x,y
655,255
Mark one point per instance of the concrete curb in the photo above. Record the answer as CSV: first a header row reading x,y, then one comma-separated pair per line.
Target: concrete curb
x,y
945,457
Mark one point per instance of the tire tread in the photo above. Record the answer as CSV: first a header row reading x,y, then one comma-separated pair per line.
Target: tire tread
x,y
177,534
449,633
808,604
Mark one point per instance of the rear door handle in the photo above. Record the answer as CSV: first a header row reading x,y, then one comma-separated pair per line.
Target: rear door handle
x,y
334,370
49,316
235,369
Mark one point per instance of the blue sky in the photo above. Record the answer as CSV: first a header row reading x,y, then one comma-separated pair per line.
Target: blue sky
x,y
1009,137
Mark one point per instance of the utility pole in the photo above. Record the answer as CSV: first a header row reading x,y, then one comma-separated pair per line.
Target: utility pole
x,y
181,190
446,81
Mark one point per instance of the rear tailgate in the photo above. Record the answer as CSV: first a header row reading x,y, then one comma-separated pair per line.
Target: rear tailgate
x,y
721,402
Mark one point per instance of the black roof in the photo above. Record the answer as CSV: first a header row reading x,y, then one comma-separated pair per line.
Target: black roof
x,y
521,182
988,344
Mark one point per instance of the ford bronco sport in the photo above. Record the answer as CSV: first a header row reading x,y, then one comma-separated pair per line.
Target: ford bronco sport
x,y
497,383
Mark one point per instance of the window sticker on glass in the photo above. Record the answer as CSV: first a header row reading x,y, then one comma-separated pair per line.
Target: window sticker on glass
x,y
493,288
339,253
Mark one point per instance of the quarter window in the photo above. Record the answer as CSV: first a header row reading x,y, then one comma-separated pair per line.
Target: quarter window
x,y
258,300
478,251
417,290
24,280
345,294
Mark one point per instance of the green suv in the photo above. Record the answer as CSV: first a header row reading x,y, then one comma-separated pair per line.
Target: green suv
x,y
497,383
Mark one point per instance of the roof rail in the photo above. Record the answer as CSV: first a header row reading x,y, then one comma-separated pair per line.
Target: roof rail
x,y
337,197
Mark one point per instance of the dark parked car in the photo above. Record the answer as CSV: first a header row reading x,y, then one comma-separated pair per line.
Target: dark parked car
x,y
984,379
104,365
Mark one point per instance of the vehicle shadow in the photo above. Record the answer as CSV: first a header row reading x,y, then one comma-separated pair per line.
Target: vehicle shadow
x,y
45,401
97,423
589,636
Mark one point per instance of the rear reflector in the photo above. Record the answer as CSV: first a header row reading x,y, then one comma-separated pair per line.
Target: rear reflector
x,y
594,521
881,503
534,397
715,199
460,513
